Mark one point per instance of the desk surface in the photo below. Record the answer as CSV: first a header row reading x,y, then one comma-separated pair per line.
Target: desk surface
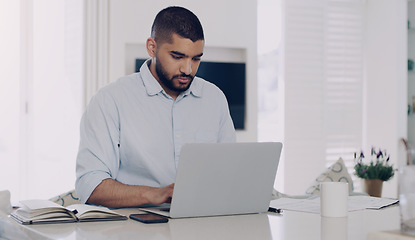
x,y
289,225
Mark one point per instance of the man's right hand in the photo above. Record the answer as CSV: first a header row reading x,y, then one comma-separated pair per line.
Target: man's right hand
x,y
113,194
160,195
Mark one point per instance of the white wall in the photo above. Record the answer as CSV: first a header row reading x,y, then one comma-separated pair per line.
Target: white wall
x,y
229,25
386,80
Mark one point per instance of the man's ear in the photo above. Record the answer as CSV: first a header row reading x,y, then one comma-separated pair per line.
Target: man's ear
x,y
151,47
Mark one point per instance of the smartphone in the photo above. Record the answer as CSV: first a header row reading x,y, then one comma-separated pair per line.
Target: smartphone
x,y
149,218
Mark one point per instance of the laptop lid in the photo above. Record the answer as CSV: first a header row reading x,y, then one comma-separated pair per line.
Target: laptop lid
x,y
224,179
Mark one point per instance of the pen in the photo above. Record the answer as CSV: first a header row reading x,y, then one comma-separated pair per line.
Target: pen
x,y
276,210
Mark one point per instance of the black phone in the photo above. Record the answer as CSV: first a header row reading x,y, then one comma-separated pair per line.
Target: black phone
x,y
149,218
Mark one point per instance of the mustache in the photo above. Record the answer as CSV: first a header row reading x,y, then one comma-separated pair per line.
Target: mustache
x,y
183,75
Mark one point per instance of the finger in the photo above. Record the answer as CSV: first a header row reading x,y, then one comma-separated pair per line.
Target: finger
x,y
170,192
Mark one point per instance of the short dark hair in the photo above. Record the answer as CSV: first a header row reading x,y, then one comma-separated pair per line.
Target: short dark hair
x,y
177,20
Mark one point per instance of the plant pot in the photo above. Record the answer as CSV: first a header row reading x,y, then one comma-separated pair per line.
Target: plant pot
x,y
373,187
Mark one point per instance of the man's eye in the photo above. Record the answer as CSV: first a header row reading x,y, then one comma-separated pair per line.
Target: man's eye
x,y
176,57
196,59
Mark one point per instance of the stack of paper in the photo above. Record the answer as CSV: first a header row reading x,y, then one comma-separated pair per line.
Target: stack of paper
x,y
312,204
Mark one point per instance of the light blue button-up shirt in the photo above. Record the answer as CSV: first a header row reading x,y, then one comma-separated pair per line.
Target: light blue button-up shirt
x,y
132,130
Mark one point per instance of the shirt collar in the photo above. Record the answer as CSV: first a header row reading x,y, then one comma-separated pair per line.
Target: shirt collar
x,y
195,88
153,87
151,84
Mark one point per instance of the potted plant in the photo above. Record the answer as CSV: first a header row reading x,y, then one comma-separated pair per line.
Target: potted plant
x,y
375,172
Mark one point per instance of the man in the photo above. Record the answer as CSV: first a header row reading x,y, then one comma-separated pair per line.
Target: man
x,y
133,129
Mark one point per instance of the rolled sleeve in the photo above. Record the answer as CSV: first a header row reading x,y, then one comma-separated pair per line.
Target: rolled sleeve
x,y
98,155
87,183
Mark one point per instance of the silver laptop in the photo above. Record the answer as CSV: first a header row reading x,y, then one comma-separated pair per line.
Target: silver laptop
x,y
223,179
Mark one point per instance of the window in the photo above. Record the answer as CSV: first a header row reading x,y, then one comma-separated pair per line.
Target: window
x,y
323,86
42,81
310,84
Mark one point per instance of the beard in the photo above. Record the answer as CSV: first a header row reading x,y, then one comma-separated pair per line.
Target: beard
x,y
169,82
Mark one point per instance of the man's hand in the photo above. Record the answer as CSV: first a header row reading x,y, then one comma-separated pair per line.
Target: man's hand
x,y
111,193
160,195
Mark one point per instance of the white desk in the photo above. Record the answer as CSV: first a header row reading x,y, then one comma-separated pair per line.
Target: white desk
x,y
288,226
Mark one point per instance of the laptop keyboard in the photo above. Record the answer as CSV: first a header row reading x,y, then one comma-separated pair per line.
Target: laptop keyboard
x,y
164,209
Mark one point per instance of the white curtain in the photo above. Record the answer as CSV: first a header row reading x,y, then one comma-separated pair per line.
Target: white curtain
x,y
323,87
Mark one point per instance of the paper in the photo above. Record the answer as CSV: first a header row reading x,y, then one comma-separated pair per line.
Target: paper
x,y
312,204
367,202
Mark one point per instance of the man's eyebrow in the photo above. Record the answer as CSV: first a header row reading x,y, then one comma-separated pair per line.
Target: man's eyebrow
x,y
184,55
178,53
199,55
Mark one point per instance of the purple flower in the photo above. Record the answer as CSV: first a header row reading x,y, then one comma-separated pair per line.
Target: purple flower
x,y
380,154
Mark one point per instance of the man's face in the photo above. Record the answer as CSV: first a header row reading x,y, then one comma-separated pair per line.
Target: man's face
x,y
176,63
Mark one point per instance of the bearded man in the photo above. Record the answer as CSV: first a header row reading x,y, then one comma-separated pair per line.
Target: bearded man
x,y
133,129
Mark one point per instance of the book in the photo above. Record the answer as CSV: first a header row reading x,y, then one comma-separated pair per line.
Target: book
x,y
45,211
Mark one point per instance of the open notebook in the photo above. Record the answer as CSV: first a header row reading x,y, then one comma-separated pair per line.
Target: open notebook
x,y
38,211
223,179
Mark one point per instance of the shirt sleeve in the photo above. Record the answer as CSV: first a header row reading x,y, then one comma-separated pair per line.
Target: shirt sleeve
x,y
98,155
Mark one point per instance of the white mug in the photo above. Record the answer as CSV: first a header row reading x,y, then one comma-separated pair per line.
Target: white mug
x,y
333,199
5,205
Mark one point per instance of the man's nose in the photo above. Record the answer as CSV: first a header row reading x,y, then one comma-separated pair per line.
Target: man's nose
x,y
186,67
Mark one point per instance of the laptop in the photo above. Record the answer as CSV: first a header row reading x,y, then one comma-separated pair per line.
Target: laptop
x,y
216,179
